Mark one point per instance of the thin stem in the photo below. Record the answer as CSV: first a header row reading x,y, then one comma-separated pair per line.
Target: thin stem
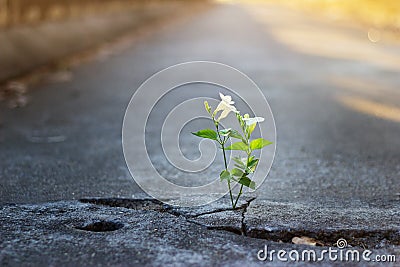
x,y
226,164
247,163
229,181
240,193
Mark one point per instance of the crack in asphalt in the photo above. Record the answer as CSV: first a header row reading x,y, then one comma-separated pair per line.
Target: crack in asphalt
x,y
245,206
229,228
215,211
357,238
155,205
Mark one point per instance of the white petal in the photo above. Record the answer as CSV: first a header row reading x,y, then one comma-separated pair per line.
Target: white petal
x,y
221,106
226,98
221,96
232,108
224,114
250,121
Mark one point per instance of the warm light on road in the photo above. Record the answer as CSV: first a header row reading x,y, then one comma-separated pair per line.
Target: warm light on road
x,y
372,108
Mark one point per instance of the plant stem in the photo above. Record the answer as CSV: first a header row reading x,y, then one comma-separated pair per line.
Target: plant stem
x,y
226,165
240,193
229,181
241,187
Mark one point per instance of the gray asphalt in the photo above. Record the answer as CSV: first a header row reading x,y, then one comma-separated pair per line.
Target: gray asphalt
x,y
334,94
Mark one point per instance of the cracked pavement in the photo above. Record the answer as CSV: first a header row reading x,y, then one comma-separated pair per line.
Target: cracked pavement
x,y
335,175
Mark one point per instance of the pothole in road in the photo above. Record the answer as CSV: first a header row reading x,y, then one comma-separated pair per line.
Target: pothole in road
x,y
354,237
100,226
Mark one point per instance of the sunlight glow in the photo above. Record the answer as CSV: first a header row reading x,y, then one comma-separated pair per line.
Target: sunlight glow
x,y
369,107
312,37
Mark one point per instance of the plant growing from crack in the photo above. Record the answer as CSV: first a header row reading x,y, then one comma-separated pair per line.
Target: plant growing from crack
x,y
245,166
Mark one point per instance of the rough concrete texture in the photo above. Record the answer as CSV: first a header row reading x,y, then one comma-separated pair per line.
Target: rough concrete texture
x,y
144,233
364,226
48,235
336,171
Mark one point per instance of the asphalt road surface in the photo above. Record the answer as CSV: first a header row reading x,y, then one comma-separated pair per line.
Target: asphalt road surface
x,y
334,95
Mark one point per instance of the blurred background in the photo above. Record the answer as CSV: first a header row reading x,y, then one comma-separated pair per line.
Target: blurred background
x,y
30,29
383,15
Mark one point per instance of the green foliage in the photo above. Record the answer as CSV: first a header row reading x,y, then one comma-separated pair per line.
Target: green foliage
x,y
236,134
247,182
239,163
238,146
252,165
225,175
243,166
207,133
237,172
259,143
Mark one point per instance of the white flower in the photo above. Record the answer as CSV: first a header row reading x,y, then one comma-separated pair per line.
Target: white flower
x,y
226,106
250,121
227,99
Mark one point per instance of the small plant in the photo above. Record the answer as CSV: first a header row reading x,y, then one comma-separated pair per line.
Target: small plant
x,y
245,166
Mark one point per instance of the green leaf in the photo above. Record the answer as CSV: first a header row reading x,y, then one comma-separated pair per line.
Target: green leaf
x,y
252,165
207,133
239,162
237,172
225,175
239,167
259,143
247,182
236,134
252,162
237,146
231,133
